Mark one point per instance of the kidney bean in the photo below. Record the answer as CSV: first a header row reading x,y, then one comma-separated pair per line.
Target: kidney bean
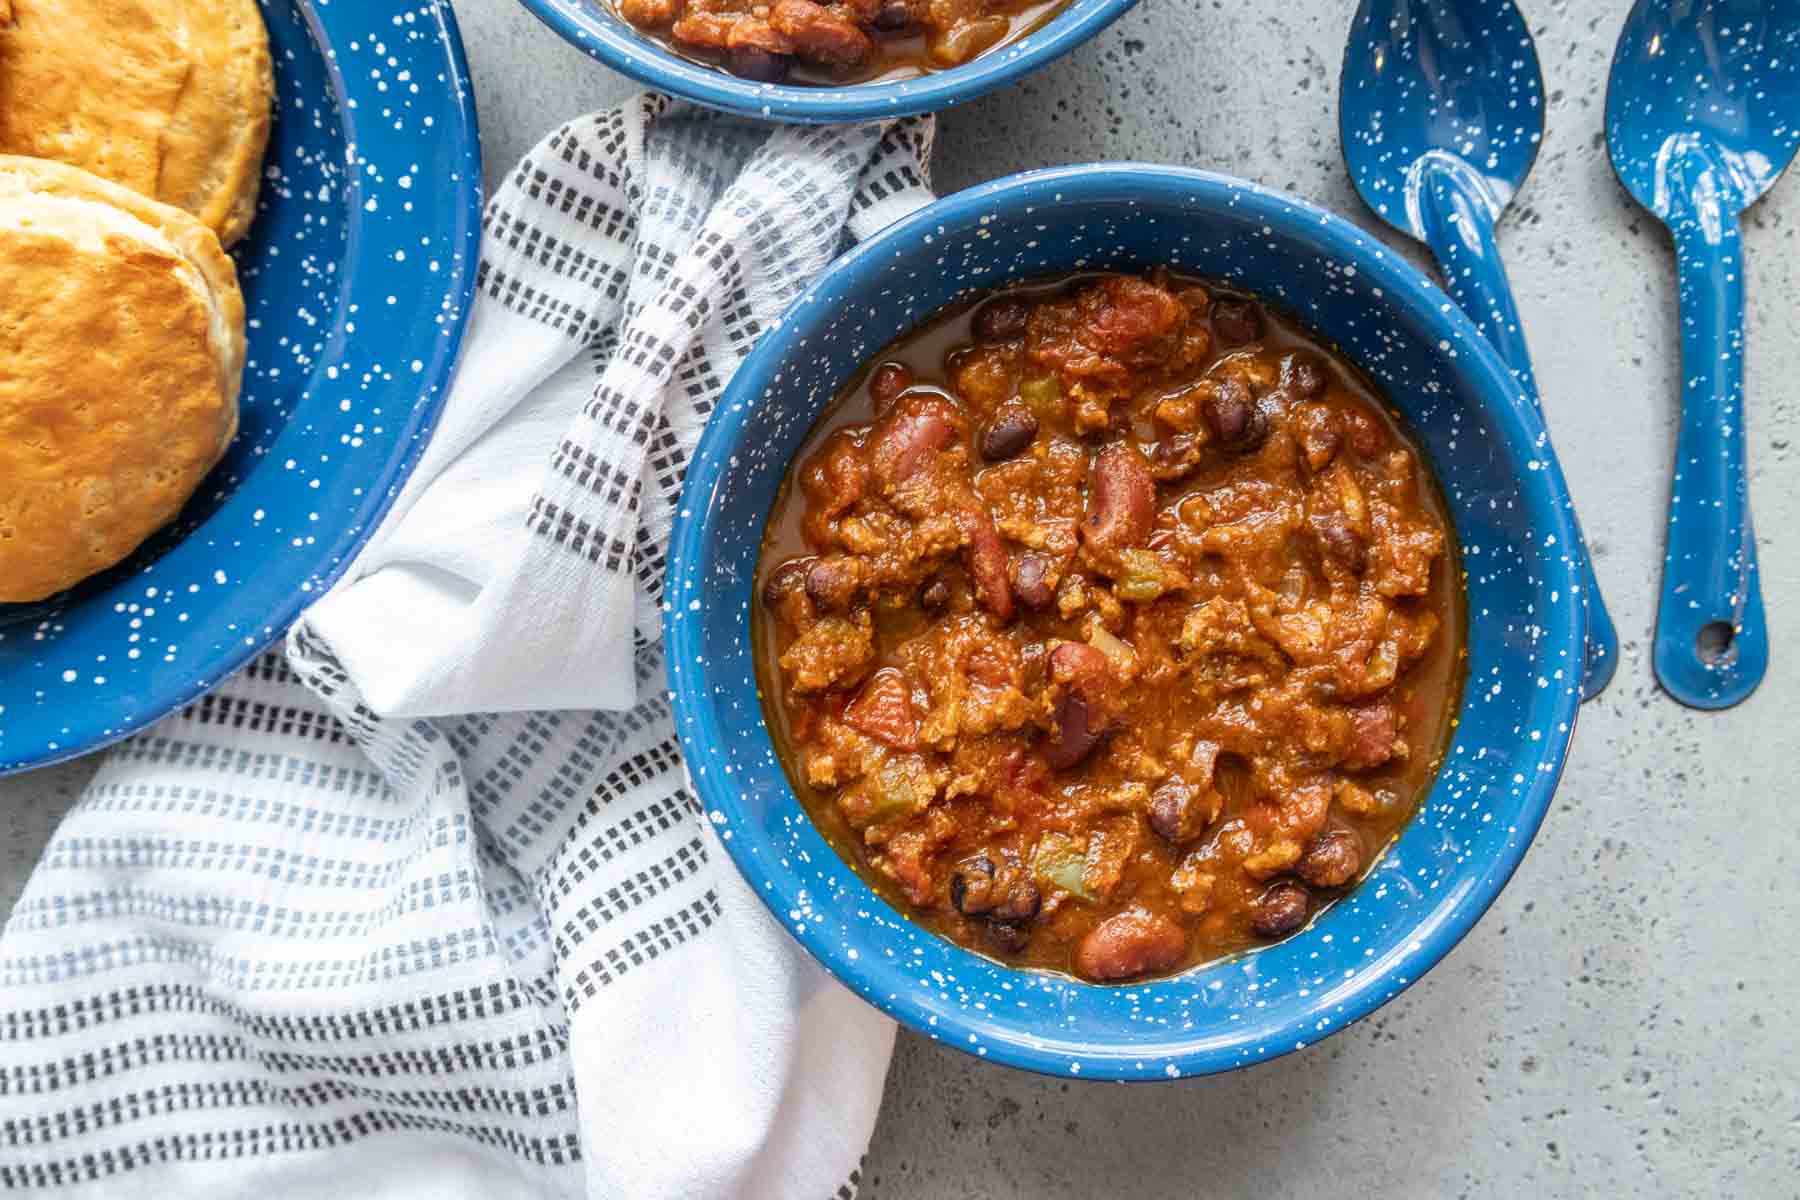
x,y
1235,322
1332,859
1121,500
1002,892
985,559
1084,712
1078,730
1280,909
832,581
1134,942
1032,584
1001,320
915,429
1011,431
885,385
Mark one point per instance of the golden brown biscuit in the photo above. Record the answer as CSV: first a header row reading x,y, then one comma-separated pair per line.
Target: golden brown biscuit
x,y
121,355
168,97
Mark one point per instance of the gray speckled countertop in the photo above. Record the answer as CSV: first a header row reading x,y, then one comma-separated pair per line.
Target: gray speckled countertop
x,y
1619,1023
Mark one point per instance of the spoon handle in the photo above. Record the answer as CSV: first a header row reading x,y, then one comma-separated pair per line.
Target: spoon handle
x,y
1712,644
1457,221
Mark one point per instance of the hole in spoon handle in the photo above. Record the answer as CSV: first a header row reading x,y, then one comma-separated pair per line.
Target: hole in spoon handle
x,y
1711,640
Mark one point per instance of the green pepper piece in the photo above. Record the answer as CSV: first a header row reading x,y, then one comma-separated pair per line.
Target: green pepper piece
x,y
1043,395
1142,580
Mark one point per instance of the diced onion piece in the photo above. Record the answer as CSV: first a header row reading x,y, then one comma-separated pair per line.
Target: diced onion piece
x,y
1060,864
1122,656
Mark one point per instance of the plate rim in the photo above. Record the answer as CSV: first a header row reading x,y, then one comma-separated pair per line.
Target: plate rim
x,y
639,57
214,666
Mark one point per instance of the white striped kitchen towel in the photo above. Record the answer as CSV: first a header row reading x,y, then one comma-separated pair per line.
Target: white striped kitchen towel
x,y
423,907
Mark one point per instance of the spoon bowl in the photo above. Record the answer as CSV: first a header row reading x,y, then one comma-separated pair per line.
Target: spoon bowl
x,y
1702,116
1433,87
1441,113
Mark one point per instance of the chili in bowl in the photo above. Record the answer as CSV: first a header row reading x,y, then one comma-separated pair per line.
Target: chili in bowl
x,y
1112,717
830,62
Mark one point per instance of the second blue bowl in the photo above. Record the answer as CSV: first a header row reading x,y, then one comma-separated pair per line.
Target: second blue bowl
x,y
1524,645
594,27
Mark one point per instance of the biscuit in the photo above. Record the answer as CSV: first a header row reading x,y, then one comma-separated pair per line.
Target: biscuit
x,y
167,97
121,356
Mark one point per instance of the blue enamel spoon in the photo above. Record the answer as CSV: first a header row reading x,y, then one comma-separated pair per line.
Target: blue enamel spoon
x,y
1441,109
1702,114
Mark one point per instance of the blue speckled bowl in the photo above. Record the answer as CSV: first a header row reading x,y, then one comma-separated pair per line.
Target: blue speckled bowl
x,y
593,26
1525,638
357,277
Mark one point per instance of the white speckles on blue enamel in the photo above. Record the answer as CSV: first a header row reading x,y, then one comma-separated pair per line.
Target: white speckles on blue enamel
x,y
592,26
1524,639
335,405
1702,116
1442,112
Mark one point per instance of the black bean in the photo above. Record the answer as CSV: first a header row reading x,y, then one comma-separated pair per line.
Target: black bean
x,y
935,595
1228,409
1342,544
1307,376
833,581
979,888
749,62
1008,937
1176,813
1175,458
895,15
885,386
1012,430
1001,320
1236,321
1280,910
784,580
972,885
1332,860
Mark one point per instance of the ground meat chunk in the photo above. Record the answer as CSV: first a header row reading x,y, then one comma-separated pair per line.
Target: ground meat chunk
x,y
831,652
820,34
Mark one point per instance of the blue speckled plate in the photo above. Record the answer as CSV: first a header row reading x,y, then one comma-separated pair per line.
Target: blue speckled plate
x,y
357,278
1525,639
593,26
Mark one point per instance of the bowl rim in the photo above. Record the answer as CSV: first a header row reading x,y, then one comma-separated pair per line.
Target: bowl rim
x,y
640,57
91,727
775,882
